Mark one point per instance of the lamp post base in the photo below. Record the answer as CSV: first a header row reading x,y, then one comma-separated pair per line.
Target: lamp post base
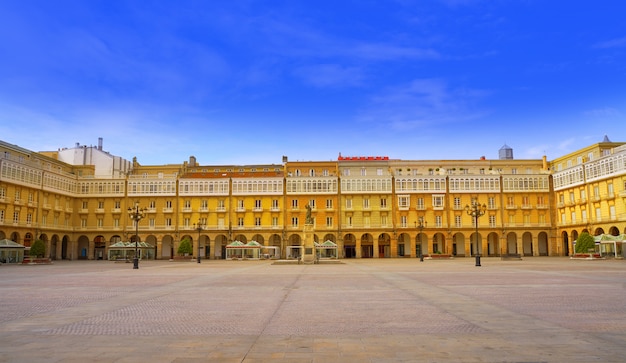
x,y
477,260
135,263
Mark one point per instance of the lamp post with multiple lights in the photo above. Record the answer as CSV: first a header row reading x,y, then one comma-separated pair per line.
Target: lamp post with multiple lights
x,y
136,214
199,227
421,224
476,210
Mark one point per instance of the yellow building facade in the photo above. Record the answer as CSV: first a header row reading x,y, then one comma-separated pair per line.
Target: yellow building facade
x,y
590,192
314,184
371,207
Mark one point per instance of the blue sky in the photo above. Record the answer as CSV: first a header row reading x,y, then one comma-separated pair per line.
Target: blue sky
x,y
246,82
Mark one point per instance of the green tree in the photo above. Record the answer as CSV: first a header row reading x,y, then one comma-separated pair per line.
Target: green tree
x,y
585,242
38,248
185,247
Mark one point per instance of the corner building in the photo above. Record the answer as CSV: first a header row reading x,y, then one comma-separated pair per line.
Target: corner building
x,y
590,192
76,200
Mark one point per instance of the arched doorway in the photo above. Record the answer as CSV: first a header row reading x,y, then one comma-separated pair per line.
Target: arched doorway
x,y
64,248
275,240
493,244
99,248
83,247
384,245
15,237
511,243
205,246
53,247
421,244
152,240
475,244
28,239
565,243
167,247
294,241
367,246
404,247
527,243
439,243
221,241
349,246
458,244
542,244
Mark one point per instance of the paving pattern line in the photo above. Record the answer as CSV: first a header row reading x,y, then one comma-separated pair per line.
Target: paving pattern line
x,y
286,291
50,320
493,320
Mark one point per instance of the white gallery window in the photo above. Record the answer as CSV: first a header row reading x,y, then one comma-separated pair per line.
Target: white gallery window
x,y
403,201
438,201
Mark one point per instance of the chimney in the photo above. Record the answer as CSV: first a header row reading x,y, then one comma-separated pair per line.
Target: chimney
x,y
100,143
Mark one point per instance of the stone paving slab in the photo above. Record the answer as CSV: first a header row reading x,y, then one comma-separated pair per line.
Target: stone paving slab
x,y
368,310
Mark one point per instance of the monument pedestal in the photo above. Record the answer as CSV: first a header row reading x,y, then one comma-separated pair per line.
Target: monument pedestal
x,y
308,245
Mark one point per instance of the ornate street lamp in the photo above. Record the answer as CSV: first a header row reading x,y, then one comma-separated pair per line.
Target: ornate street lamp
x,y
199,227
421,224
476,210
136,214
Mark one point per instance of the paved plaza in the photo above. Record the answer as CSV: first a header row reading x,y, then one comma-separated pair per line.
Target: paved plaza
x,y
541,309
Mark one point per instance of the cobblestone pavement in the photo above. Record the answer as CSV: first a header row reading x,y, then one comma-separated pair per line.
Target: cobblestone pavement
x,y
371,310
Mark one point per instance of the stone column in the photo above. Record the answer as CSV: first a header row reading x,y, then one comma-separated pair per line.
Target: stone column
x,y
393,246
308,245
91,250
376,254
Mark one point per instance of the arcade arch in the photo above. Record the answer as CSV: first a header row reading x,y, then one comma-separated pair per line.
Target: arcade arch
x,y
384,245
349,246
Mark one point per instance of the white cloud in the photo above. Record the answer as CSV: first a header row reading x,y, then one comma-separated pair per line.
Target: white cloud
x,y
374,51
604,112
331,75
423,102
612,43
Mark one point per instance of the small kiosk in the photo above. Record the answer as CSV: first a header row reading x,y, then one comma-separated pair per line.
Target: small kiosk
x,y
240,250
11,252
327,249
125,251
